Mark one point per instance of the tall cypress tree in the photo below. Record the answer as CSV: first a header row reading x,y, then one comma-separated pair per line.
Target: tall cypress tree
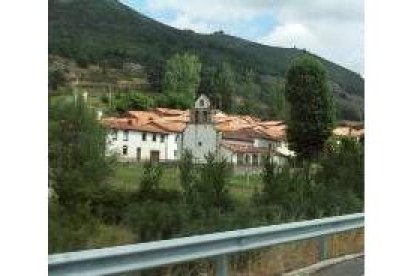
x,y
312,110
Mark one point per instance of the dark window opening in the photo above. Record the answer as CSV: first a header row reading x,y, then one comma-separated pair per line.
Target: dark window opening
x,y
138,154
196,119
199,144
239,159
114,134
154,137
144,136
126,135
205,116
255,160
124,150
247,159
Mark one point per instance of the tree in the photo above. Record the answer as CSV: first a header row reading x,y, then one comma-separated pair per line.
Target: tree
x,y
77,162
154,75
275,95
133,101
212,183
57,78
343,166
78,170
224,86
151,179
187,175
249,90
182,77
312,111
206,82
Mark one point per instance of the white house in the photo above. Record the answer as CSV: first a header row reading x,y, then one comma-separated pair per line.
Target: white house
x,y
248,146
144,136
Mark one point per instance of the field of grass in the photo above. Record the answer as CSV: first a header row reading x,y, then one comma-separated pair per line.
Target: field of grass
x,y
128,176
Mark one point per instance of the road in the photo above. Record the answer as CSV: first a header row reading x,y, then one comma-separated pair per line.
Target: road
x,y
354,267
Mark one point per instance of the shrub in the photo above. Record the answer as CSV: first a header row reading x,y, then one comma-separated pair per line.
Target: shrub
x,y
187,176
110,235
155,220
151,178
212,183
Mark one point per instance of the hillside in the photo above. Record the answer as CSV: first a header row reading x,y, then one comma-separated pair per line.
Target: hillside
x,y
106,31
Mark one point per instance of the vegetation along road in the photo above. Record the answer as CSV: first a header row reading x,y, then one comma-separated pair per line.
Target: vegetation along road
x,y
354,267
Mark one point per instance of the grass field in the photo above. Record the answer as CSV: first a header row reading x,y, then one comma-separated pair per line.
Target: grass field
x,y
128,176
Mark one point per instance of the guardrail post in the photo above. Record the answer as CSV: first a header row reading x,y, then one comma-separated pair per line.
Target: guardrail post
x,y
222,268
323,247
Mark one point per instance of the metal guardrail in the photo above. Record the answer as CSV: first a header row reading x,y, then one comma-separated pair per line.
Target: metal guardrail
x,y
118,259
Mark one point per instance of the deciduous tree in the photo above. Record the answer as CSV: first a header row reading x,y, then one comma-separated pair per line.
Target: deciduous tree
x,y
182,77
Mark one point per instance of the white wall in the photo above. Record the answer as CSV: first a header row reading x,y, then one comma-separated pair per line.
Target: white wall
x,y
265,143
279,160
280,145
228,155
205,134
135,141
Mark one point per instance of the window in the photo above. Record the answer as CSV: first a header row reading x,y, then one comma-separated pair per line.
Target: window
x,y
114,134
239,159
175,153
162,138
126,132
177,137
247,159
196,119
202,103
138,154
199,144
205,116
124,150
154,137
144,136
255,160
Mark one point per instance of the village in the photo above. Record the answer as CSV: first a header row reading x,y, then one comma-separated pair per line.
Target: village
x,y
159,137
162,134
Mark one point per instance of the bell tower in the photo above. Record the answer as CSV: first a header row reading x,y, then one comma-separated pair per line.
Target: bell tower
x,y
200,135
201,113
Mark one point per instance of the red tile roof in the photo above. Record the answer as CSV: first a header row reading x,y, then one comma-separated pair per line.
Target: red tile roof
x,y
238,148
240,127
347,131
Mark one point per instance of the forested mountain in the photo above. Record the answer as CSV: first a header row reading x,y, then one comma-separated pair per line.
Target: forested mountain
x,y
106,31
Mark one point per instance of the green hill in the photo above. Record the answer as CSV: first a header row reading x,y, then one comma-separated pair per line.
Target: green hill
x,y
106,31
